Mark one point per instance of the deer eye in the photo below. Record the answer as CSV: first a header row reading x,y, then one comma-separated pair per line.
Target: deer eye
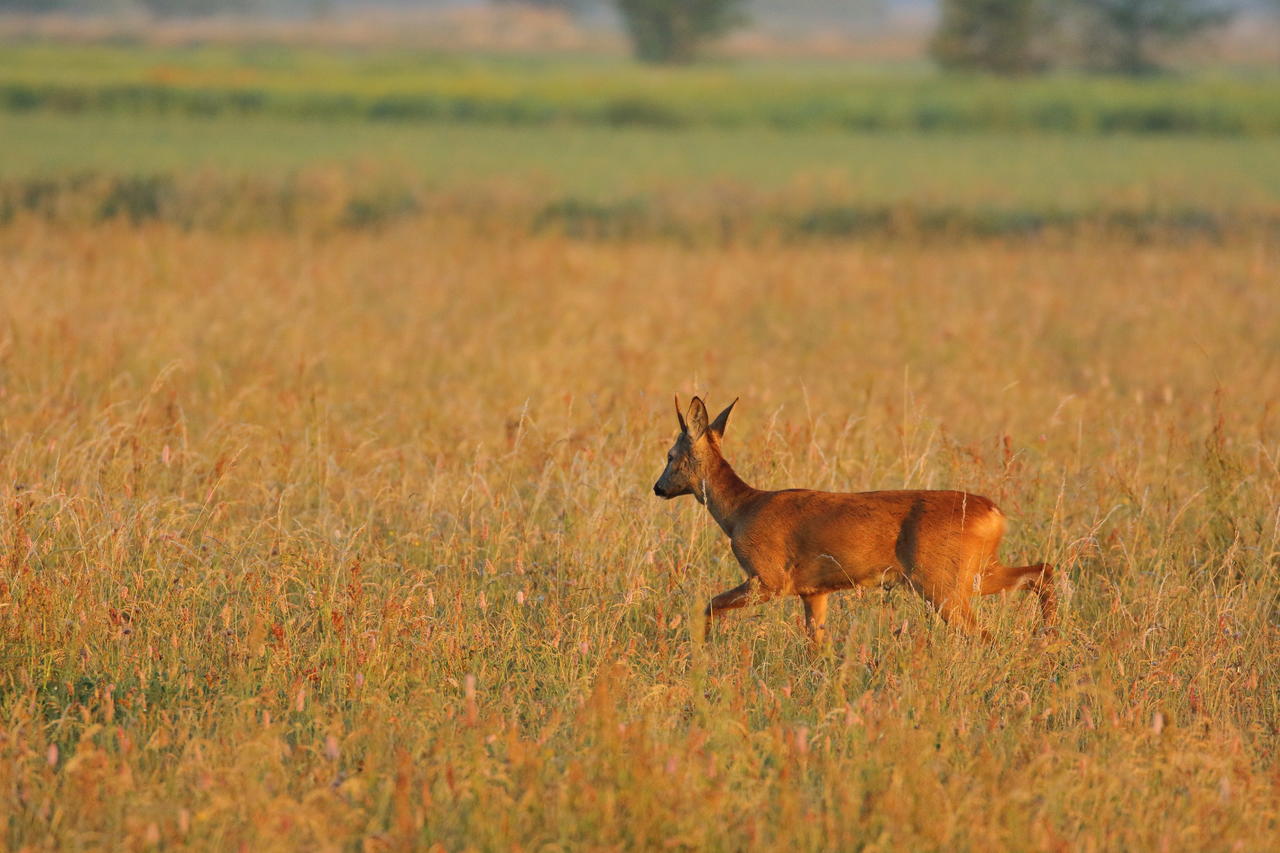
x,y
671,457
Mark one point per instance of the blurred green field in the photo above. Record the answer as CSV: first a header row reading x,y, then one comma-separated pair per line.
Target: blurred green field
x,y
628,182
608,147
394,84
1060,172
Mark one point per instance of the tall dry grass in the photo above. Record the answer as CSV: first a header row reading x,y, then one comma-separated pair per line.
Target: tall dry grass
x,y
346,539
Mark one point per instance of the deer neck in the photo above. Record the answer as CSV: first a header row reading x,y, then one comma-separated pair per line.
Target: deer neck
x,y
724,493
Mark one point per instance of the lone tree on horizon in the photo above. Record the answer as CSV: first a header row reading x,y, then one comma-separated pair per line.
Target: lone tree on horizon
x,y
671,31
987,35
1121,35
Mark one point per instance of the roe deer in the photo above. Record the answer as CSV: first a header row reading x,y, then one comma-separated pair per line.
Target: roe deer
x,y
807,543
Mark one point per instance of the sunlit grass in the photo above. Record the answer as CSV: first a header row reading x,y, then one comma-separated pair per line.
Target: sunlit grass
x,y
340,537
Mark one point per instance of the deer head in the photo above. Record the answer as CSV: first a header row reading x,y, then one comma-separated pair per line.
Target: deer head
x,y
697,445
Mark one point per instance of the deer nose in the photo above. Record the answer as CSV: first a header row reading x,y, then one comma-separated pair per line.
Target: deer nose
x,y
657,490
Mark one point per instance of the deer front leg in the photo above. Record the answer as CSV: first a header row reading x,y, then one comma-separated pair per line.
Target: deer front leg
x,y
750,592
815,618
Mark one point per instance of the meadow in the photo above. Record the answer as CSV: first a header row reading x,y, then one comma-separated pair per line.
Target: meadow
x,y
334,533
696,186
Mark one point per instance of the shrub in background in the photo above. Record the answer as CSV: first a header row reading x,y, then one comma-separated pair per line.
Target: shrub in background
x,y
672,30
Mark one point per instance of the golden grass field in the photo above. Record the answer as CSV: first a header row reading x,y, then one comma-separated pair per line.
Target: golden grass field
x,y
345,539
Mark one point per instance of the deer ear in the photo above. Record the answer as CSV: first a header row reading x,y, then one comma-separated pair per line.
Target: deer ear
x,y
722,420
684,427
697,418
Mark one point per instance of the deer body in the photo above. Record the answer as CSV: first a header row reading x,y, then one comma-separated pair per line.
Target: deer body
x,y
809,543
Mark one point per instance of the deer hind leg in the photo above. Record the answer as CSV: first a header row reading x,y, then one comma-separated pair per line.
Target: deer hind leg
x,y
750,592
815,617
953,603
1037,578
956,609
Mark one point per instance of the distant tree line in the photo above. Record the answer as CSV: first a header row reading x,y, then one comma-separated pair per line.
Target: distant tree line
x,y
1020,36
1000,36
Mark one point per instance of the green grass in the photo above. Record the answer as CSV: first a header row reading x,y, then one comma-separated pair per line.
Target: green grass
x,y
1056,173
398,85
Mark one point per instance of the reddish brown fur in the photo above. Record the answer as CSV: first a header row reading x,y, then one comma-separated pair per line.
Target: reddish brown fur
x,y
807,543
